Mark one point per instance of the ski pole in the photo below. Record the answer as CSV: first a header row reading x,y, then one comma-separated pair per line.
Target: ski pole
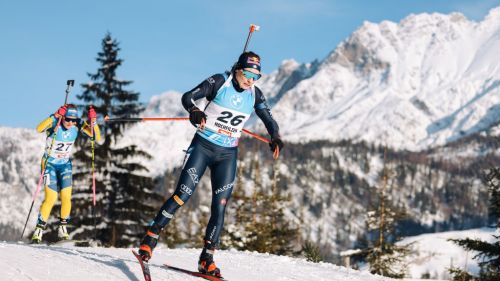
x,y
69,84
253,28
140,119
92,144
276,152
256,136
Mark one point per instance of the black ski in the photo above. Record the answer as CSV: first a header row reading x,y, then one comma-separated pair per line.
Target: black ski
x,y
194,273
144,266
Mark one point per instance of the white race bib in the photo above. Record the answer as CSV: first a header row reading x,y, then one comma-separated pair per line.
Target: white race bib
x,y
61,149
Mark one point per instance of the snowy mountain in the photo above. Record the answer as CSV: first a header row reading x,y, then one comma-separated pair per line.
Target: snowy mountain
x,y
62,263
425,81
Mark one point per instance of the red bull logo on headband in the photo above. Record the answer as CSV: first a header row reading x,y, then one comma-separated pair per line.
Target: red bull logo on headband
x,y
253,60
249,60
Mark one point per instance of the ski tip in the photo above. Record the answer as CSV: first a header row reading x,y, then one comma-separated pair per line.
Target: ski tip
x,y
144,266
138,256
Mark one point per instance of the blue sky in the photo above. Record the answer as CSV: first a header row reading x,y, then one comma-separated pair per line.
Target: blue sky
x,y
171,45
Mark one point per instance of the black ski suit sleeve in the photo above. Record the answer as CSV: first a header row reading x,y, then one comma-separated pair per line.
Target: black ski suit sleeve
x,y
264,112
206,89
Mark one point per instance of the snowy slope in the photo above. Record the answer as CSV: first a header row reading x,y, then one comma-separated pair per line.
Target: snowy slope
x,y
62,263
432,254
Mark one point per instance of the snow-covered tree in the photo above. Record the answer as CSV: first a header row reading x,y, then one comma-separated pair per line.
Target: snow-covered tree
x,y
385,256
260,223
125,197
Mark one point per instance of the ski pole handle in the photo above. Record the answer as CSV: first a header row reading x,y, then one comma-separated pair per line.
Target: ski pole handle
x,y
253,27
69,84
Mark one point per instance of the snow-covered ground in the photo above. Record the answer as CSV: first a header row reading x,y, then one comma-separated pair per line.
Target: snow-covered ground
x,y
433,254
63,263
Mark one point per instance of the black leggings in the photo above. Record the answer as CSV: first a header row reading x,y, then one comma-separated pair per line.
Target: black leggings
x,y
222,163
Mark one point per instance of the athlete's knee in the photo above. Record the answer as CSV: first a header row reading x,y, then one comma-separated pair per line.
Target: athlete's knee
x,y
219,207
66,195
50,196
48,203
65,202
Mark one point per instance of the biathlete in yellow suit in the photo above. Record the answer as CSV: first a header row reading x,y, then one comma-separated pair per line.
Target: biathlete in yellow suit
x,y
58,171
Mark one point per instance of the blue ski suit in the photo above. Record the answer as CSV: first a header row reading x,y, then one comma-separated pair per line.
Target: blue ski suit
x,y
216,146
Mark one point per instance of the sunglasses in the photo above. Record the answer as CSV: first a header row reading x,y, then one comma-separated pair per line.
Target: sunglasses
x,y
70,120
251,75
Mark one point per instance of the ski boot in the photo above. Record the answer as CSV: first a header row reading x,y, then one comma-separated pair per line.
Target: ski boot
x,y
37,235
206,264
149,242
62,231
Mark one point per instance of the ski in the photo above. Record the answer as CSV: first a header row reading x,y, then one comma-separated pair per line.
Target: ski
x,y
144,266
75,243
194,273
63,242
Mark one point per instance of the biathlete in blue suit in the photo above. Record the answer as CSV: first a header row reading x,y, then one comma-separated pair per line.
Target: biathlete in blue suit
x,y
231,98
58,168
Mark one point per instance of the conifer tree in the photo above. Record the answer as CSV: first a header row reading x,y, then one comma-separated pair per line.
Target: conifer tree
x,y
172,235
385,257
255,229
311,252
283,234
269,231
238,214
488,254
125,198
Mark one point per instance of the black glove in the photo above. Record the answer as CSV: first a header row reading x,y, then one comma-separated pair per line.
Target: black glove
x,y
196,116
276,142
